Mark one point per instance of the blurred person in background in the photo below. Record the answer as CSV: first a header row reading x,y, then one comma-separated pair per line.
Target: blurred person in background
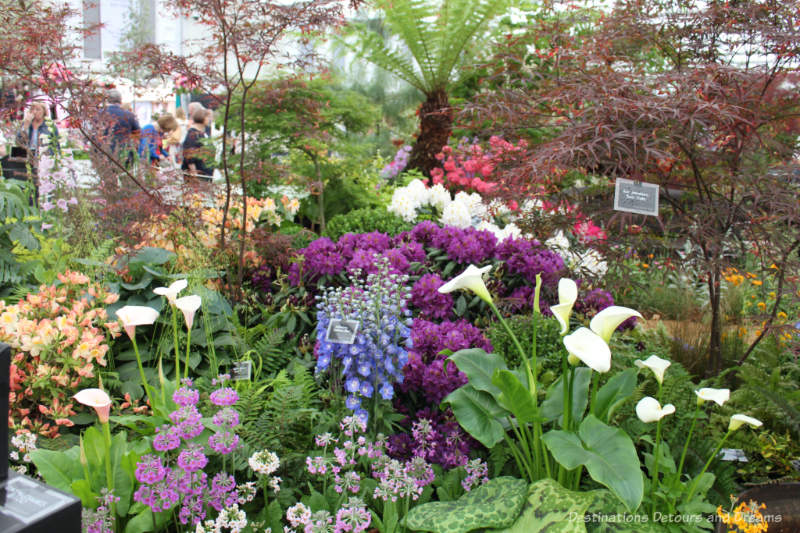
x,y
197,156
36,131
153,136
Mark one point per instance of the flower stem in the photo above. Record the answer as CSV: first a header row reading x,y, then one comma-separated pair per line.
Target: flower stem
x,y
686,445
109,471
141,372
657,456
693,486
188,344
177,352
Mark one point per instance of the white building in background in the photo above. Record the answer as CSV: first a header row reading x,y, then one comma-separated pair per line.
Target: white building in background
x,y
156,24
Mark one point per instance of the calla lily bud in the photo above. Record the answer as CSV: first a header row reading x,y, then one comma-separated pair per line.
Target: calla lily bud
x,y
739,419
649,410
719,396
567,295
472,279
608,320
589,348
657,365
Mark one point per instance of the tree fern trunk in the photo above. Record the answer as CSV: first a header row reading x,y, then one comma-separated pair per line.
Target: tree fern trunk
x,y
435,125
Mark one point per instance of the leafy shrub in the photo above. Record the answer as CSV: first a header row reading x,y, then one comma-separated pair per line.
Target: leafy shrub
x,y
57,341
548,339
364,221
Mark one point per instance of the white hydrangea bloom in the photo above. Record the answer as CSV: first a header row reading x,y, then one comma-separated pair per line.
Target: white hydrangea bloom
x,y
474,203
456,214
439,197
558,242
485,225
417,192
590,260
402,206
511,230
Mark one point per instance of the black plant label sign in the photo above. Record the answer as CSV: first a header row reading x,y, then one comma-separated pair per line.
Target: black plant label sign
x,y
636,197
342,331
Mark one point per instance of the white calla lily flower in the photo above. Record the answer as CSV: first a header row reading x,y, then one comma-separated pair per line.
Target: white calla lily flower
x,y
472,279
189,306
649,410
97,399
136,315
606,321
172,291
589,348
657,365
738,419
567,295
719,396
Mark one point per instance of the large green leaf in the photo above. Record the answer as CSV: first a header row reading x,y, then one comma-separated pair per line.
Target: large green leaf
x,y
58,469
607,453
618,389
495,504
479,367
515,397
552,508
478,413
607,515
151,256
553,405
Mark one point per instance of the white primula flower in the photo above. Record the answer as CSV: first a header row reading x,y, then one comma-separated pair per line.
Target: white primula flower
x,y
590,348
657,365
649,410
739,419
472,279
456,213
567,295
718,396
264,462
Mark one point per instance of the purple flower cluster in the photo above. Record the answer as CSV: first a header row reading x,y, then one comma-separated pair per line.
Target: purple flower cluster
x,y
178,478
436,437
398,163
477,474
424,374
374,361
431,303
355,252
100,520
527,258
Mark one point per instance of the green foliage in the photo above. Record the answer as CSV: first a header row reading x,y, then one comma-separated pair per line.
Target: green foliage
x,y
364,221
283,414
16,229
495,504
608,455
552,508
548,340
433,37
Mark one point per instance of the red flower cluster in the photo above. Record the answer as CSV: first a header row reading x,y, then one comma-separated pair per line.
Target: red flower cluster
x,y
469,167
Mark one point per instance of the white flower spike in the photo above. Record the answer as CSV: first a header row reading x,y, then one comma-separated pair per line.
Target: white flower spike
x,y
589,348
172,291
189,306
97,399
136,315
739,419
656,364
719,396
649,410
472,279
567,294
606,321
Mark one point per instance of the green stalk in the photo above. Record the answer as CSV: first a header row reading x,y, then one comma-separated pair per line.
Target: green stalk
x,y
527,460
565,379
141,371
693,486
188,344
595,381
569,397
177,352
109,471
686,445
657,452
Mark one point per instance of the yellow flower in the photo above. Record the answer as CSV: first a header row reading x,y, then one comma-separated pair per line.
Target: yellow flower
x,y
756,282
781,315
762,306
